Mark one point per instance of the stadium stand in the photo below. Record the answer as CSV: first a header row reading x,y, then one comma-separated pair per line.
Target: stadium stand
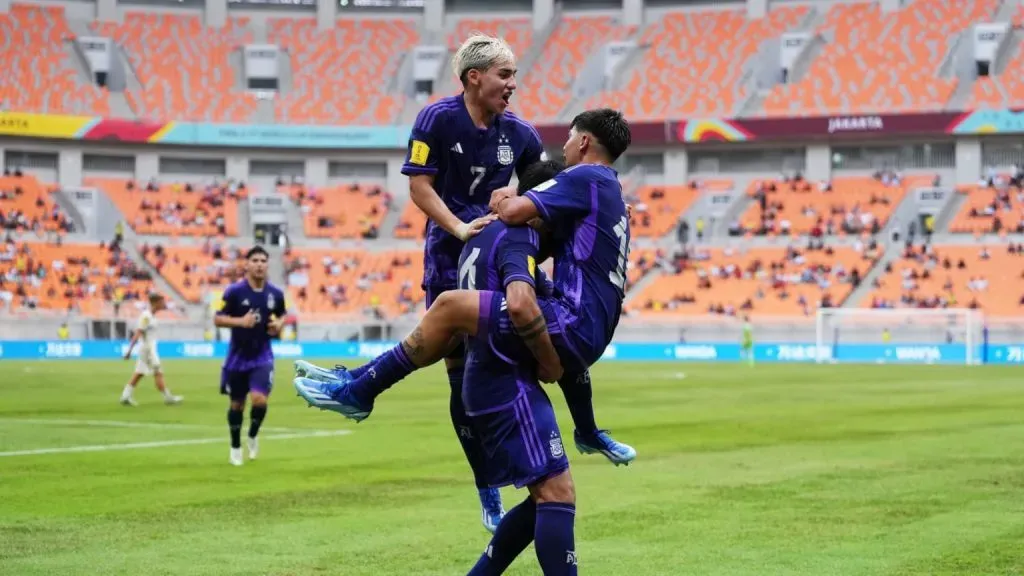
x,y
762,281
694,63
42,79
879,61
1005,90
546,88
183,66
850,205
88,279
348,211
656,209
174,209
325,282
412,224
339,75
993,207
195,271
25,205
986,277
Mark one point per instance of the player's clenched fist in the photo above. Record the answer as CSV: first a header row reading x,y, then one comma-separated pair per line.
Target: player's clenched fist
x,y
500,195
249,320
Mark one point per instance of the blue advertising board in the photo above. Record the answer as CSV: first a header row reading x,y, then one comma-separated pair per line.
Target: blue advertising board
x,y
625,351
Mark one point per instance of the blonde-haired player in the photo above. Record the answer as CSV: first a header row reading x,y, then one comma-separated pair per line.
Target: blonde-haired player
x,y
148,362
461,149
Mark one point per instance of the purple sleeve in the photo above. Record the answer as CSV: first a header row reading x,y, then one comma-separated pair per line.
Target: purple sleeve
x,y
228,304
560,199
517,261
422,154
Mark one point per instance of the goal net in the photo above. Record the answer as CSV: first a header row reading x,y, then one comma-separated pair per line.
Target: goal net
x,y
910,336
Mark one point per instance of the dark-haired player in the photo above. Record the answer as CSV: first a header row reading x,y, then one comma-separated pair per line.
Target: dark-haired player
x,y
254,309
583,205
461,149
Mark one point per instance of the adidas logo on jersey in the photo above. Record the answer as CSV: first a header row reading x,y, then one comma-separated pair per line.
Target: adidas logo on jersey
x,y
457,148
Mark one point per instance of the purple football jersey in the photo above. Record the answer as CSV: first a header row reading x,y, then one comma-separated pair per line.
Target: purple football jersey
x,y
250,347
468,163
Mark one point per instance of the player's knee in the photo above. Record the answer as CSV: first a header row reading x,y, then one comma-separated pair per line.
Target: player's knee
x,y
258,399
557,489
237,404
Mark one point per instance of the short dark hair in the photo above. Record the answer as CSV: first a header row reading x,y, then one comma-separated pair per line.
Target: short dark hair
x,y
256,250
539,173
609,128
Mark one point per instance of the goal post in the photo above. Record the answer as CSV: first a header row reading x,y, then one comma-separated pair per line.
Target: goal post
x,y
909,336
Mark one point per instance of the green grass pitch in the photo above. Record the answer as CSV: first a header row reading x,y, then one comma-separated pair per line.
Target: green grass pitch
x,y
773,470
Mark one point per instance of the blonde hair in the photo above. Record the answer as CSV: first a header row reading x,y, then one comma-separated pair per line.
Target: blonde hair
x,y
481,52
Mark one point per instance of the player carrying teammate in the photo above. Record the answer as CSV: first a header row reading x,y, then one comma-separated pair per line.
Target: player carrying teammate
x,y
254,309
149,361
584,207
461,149
510,412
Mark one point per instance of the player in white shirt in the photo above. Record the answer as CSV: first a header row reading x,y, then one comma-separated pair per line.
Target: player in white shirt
x,y
149,361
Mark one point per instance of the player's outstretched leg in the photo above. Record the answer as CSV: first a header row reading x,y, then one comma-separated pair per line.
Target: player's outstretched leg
x,y
555,531
452,314
579,396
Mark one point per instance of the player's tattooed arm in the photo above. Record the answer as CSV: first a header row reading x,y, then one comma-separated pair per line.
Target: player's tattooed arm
x,y
529,322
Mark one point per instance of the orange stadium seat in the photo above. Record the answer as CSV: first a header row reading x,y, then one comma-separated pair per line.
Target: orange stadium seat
x,y
1005,90
546,88
173,210
348,211
412,224
993,282
658,208
695,62
881,62
38,74
183,66
25,205
988,210
340,76
196,271
743,281
518,32
82,277
324,282
857,201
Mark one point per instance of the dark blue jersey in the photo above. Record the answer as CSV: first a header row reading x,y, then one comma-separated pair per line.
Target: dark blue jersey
x,y
490,261
468,163
584,208
250,347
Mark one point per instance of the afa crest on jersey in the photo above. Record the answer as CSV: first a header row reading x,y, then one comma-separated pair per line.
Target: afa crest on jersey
x,y
505,155
270,301
555,444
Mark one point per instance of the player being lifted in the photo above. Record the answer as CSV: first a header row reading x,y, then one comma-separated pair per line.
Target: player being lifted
x,y
148,362
583,206
254,309
461,149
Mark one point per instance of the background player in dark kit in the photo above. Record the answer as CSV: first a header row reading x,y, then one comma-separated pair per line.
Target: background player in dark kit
x,y
254,309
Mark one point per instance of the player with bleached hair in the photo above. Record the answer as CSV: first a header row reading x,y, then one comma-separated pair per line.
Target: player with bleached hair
x,y
461,149
148,363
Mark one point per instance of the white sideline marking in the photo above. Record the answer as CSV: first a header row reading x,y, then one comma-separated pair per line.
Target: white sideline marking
x,y
165,443
127,424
